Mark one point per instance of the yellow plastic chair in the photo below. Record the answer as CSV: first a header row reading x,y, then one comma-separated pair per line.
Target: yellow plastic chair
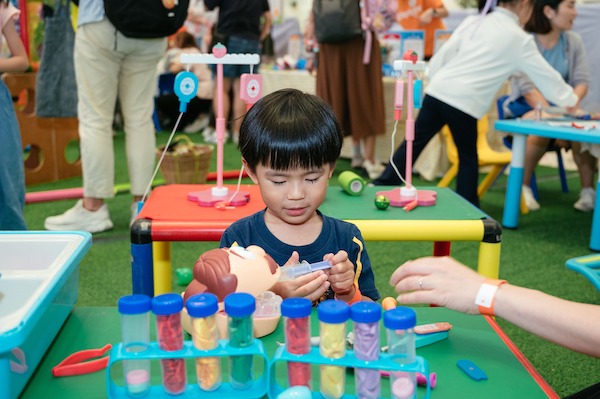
x,y
496,160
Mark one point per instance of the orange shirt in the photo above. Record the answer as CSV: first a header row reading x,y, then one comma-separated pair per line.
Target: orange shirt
x,y
408,16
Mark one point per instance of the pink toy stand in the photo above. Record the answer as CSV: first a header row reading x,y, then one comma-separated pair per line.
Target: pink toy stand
x,y
219,195
408,196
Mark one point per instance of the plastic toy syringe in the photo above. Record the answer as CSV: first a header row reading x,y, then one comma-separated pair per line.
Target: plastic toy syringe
x,y
293,271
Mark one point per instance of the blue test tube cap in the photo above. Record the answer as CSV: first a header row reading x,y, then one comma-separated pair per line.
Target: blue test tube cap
x,y
240,304
400,318
134,304
365,312
333,311
296,308
202,305
167,304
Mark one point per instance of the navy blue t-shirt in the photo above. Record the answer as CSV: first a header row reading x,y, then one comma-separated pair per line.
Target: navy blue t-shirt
x,y
336,235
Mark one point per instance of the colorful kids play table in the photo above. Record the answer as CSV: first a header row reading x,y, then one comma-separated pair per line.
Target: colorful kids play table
x,y
168,216
520,129
475,338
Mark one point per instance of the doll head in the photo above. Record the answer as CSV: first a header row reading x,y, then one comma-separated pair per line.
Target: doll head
x,y
225,270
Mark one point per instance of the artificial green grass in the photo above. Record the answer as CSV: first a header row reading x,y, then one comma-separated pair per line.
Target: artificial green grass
x,y
533,255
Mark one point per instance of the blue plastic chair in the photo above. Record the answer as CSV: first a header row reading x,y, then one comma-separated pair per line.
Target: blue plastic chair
x,y
589,266
166,83
561,167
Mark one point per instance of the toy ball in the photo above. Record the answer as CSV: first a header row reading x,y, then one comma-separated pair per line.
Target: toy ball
x,y
388,303
382,202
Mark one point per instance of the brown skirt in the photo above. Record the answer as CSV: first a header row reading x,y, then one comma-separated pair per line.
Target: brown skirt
x,y
354,90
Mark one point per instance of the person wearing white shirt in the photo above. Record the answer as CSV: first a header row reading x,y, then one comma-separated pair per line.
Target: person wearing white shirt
x,y
465,76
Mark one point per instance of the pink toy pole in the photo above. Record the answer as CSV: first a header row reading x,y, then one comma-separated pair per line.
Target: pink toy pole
x,y
219,57
408,197
410,131
220,125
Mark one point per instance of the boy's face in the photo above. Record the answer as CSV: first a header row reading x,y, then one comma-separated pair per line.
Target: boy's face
x,y
293,196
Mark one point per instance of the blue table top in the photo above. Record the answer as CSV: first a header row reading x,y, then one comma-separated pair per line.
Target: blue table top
x,y
548,129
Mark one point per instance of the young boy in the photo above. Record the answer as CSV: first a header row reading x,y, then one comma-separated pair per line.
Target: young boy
x,y
290,142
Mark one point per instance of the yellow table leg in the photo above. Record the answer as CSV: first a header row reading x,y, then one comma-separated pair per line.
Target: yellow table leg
x,y
488,263
161,254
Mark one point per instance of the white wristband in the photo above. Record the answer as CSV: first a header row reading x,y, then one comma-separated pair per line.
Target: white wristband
x,y
485,296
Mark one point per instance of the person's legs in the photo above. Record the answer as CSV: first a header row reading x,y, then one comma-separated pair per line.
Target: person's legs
x,y
428,123
464,133
136,89
12,170
96,69
586,165
535,150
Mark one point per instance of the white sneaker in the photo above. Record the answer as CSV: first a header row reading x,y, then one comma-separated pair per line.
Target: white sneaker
x,y
235,138
210,135
586,201
530,201
197,125
79,218
357,161
373,169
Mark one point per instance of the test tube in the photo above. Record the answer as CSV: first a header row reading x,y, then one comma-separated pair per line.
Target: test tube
x,y
239,307
135,334
296,315
333,315
399,323
366,317
167,308
202,309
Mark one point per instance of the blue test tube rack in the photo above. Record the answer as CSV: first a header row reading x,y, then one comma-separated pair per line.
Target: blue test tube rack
x,y
258,389
263,385
384,363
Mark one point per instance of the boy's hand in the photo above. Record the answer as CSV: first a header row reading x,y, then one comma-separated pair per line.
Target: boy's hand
x,y
311,286
341,275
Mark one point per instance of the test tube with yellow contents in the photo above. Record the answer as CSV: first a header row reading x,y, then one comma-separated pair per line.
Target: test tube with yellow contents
x,y
202,309
333,315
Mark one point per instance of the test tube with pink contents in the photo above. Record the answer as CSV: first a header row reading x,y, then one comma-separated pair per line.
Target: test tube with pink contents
x,y
135,337
202,309
366,316
296,313
400,323
167,308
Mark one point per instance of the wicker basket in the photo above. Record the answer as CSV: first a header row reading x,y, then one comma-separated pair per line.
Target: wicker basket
x,y
186,162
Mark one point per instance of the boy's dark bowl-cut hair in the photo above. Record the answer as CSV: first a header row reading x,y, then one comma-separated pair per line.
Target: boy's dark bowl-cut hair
x,y
289,129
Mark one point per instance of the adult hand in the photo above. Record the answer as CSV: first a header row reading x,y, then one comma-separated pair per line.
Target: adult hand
x,y
441,281
426,16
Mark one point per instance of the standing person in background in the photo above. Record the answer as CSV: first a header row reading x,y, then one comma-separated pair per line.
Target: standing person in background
x,y
199,24
12,170
199,108
551,23
355,91
110,65
245,24
422,14
465,75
